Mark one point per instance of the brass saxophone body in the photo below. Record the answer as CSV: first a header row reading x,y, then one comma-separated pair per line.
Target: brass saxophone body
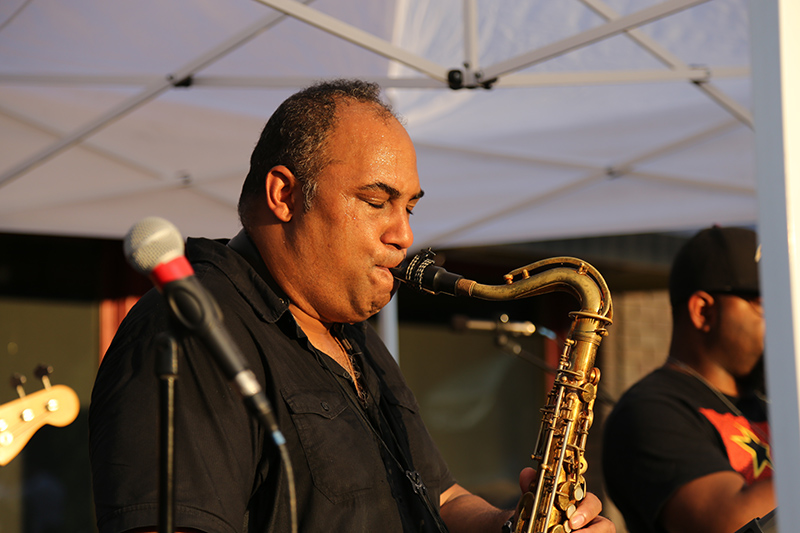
x,y
568,413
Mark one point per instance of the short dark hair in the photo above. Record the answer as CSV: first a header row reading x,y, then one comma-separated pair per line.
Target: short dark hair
x,y
296,134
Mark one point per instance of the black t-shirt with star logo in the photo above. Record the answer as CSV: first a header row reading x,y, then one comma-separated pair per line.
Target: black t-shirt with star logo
x,y
671,428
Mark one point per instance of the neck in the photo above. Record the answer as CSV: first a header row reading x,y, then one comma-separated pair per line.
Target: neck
x,y
695,348
310,324
321,337
715,375
318,332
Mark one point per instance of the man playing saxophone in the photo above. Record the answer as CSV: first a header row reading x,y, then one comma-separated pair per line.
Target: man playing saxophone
x,y
325,211
687,448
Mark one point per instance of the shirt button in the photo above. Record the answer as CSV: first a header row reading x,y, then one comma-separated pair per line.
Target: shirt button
x,y
325,406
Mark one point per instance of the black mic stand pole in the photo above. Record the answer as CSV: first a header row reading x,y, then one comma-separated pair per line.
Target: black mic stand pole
x,y
167,372
513,347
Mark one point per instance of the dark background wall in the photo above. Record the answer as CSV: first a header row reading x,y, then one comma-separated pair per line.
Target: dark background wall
x,y
50,294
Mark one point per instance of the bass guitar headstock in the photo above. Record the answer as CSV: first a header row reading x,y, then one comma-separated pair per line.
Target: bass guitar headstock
x,y
57,405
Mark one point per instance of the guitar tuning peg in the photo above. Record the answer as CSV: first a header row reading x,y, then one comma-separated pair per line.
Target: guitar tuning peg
x,y
17,381
43,373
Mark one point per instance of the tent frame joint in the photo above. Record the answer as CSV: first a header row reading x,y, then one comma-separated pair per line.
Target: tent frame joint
x,y
184,83
467,79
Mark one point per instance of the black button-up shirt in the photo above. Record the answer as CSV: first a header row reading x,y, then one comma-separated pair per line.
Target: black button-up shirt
x,y
350,457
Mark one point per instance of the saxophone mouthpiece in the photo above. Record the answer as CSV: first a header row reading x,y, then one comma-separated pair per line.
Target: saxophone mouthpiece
x,y
399,272
420,273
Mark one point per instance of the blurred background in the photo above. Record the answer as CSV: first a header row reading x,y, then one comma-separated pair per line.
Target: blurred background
x,y
606,130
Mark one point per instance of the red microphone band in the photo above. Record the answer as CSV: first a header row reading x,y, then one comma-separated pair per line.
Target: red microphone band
x,y
175,269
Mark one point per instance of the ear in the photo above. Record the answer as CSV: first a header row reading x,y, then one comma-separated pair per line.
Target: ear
x,y
703,310
280,185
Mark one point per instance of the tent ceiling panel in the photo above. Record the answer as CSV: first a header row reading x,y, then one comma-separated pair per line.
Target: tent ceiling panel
x,y
596,208
194,214
91,125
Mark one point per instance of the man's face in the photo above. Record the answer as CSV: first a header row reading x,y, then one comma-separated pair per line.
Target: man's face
x,y
358,224
740,333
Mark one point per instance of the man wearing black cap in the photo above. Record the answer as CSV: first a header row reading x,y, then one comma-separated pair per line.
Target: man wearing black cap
x,y
687,448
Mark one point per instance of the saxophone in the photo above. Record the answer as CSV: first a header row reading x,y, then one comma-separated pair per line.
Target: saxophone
x,y
567,416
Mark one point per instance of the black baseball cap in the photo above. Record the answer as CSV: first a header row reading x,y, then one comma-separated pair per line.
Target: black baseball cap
x,y
716,259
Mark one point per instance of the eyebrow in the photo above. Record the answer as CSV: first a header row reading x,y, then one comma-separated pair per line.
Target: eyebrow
x,y
391,191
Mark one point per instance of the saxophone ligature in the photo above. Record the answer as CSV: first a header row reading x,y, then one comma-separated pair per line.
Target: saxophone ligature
x,y
568,413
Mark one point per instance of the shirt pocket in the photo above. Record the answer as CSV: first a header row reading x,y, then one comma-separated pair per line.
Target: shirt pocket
x,y
415,437
340,451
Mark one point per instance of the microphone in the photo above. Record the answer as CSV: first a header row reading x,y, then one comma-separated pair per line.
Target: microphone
x,y
154,247
501,325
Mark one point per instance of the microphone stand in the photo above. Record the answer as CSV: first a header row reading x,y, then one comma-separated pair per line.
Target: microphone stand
x,y
167,372
154,247
765,524
513,347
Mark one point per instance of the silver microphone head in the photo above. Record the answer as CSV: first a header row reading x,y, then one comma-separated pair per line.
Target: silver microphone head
x,y
151,242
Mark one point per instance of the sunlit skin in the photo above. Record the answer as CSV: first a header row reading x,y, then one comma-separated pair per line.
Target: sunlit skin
x,y
739,339
723,339
457,499
333,259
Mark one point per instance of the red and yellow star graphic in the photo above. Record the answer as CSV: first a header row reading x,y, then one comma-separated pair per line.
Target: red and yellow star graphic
x,y
746,442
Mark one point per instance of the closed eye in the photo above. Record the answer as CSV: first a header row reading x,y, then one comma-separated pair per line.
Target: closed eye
x,y
392,194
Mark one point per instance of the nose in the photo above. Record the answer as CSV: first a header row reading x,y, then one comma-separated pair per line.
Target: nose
x,y
399,233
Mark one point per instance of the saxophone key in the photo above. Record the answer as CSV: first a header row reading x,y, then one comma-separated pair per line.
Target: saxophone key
x,y
580,491
589,392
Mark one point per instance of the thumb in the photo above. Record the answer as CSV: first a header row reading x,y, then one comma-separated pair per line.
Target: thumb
x,y
527,477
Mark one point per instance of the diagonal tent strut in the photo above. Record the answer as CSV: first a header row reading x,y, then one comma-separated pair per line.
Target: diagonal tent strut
x,y
674,63
598,175
437,74
486,76
598,33
101,152
195,184
149,93
474,76
357,36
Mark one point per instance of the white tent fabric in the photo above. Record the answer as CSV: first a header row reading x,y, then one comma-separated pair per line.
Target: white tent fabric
x,y
603,116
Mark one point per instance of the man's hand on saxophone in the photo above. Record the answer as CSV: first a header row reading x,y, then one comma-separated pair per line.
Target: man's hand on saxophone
x,y
586,516
464,512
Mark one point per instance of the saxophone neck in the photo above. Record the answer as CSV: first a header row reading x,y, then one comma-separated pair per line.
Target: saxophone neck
x,y
566,274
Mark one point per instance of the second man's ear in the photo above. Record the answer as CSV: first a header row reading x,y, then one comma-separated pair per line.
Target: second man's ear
x,y
702,311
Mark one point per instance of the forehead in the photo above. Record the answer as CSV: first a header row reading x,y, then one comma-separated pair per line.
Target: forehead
x,y
371,143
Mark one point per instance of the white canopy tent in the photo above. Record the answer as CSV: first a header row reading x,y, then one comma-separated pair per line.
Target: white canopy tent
x,y
603,117
575,118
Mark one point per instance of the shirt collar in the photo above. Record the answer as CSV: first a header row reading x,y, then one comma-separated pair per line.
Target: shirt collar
x,y
241,263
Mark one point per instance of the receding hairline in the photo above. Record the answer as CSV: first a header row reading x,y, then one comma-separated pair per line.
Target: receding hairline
x,y
340,101
346,104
